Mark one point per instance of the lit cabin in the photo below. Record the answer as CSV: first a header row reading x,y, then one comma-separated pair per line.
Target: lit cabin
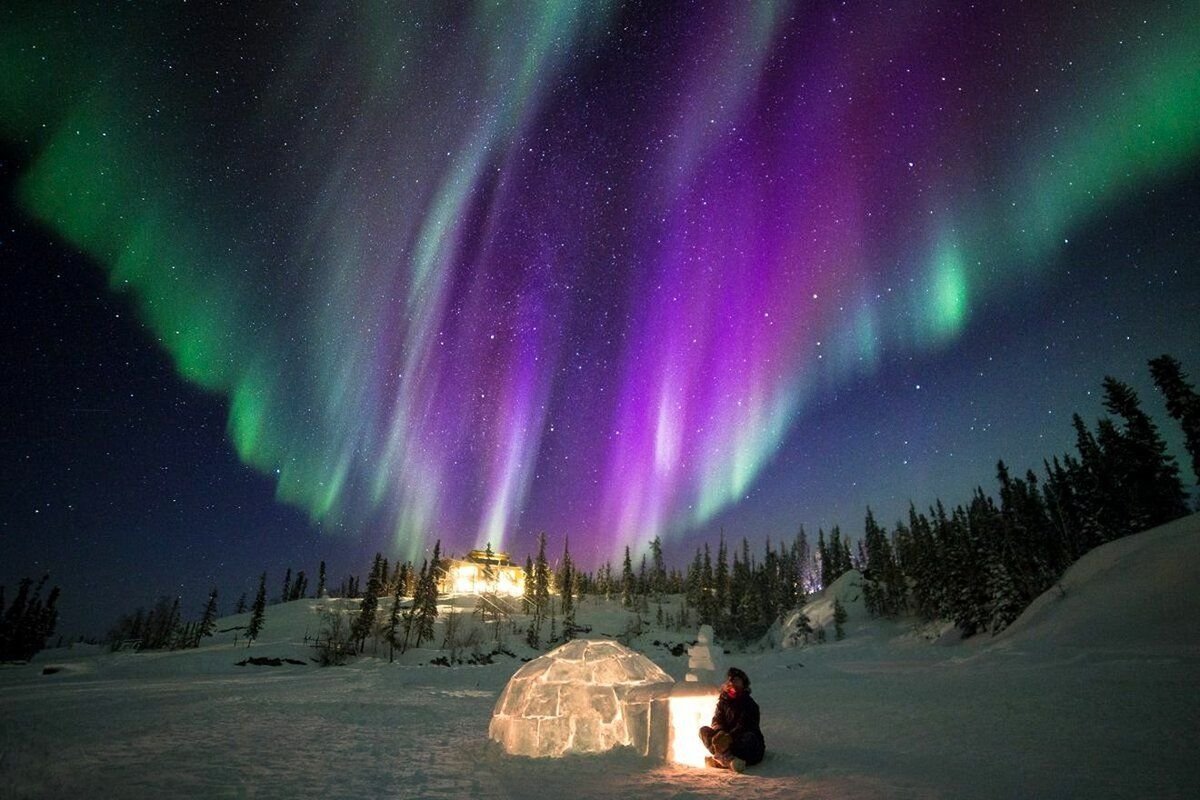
x,y
483,572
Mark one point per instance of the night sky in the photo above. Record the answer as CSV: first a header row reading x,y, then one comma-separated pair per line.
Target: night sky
x,y
286,282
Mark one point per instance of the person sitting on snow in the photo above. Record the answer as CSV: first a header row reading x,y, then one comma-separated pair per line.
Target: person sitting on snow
x,y
734,738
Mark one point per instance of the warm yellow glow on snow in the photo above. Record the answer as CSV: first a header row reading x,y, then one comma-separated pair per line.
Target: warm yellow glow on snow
x,y
688,713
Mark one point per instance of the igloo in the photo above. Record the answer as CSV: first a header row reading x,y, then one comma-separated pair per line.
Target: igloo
x,y
584,697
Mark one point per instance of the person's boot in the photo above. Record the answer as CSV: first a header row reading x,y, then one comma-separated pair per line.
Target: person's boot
x,y
737,765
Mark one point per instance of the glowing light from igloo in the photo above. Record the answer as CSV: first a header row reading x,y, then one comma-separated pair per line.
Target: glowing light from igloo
x,y
692,702
583,697
691,706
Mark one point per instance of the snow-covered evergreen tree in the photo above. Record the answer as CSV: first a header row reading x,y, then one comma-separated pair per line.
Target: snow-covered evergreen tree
x,y
1148,474
208,621
839,619
427,602
567,592
393,627
628,581
364,623
658,572
259,611
1183,403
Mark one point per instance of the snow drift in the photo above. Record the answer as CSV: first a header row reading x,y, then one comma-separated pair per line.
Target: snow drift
x,y
1140,592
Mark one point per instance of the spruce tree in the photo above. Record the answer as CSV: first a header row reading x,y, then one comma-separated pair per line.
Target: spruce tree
x,y
1062,507
692,588
839,558
1183,403
537,589
541,580
1148,474
485,603
365,621
628,587
393,628
1095,485
658,575
724,593
321,581
286,594
839,619
527,595
168,625
411,613
567,591
258,614
823,557
771,585
749,619
208,622
404,578
845,564
427,613
882,591
802,556
802,631
240,608
1029,549
706,611
920,561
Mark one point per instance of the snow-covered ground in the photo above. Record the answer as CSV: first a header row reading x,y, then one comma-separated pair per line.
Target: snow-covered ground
x,y
1094,692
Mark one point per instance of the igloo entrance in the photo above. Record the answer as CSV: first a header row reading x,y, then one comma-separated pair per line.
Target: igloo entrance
x,y
583,697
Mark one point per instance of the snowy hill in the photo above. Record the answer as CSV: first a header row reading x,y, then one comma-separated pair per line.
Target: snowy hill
x,y
1141,592
819,612
1091,693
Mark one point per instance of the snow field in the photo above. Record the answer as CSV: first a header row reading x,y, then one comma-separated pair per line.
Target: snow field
x,y
1092,693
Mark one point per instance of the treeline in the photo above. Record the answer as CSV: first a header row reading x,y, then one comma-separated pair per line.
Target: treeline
x,y
982,563
162,627
29,621
978,565
406,625
740,595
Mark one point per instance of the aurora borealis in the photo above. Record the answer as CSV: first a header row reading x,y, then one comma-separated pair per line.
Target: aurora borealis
x,y
473,270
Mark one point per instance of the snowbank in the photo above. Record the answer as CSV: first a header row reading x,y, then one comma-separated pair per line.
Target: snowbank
x,y
1140,592
848,589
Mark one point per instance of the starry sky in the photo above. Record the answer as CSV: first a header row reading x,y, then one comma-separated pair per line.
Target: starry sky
x,y
295,282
